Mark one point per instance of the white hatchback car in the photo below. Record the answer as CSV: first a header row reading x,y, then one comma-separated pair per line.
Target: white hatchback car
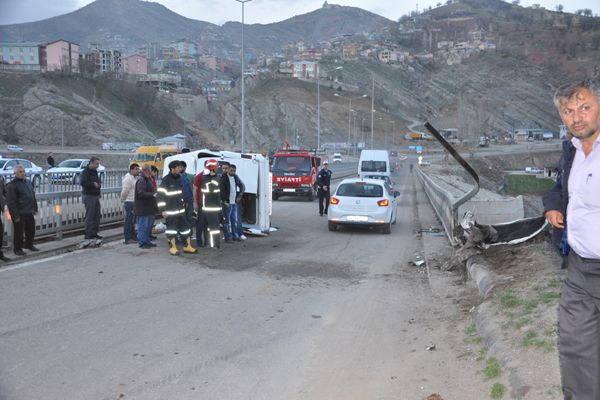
x,y
368,202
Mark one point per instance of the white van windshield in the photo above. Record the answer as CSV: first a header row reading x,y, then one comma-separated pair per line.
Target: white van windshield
x,y
373,166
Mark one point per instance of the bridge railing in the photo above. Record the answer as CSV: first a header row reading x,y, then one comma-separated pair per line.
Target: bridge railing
x,y
60,204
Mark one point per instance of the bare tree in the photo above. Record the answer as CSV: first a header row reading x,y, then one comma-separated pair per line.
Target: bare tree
x,y
559,8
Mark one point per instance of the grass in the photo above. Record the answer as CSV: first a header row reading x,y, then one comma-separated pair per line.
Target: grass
x,y
531,339
548,297
528,184
492,369
498,391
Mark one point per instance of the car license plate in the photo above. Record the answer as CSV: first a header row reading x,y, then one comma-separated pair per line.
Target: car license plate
x,y
289,190
358,218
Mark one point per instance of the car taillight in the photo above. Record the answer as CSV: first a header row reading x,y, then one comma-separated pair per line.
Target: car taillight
x,y
334,200
383,203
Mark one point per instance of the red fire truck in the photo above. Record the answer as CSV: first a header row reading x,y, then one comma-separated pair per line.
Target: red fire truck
x,y
295,173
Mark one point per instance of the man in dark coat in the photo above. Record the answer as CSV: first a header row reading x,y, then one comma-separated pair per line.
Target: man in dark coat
x,y
323,183
22,205
91,185
145,207
573,207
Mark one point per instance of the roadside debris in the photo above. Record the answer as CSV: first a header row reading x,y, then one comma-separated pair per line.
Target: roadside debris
x,y
434,396
417,262
430,347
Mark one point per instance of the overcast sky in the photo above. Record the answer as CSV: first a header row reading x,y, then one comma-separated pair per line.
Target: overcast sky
x,y
256,11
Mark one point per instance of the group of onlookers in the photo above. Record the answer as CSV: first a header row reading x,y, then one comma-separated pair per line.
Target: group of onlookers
x,y
214,200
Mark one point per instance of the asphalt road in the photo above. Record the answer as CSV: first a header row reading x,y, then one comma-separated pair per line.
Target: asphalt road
x,y
301,314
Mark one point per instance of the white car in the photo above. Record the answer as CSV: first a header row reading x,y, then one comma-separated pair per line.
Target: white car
x,y
13,147
70,170
337,157
369,202
32,171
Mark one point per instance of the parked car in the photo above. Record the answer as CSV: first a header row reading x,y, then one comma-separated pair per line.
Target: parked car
x,y
368,202
13,147
533,170
384,178
70,170
32,171
337,157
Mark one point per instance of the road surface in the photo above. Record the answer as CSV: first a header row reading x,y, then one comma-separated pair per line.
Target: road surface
x,y
302,314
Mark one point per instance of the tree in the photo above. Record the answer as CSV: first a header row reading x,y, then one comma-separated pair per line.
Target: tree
x,y
438,5
516,2
559,8
587,12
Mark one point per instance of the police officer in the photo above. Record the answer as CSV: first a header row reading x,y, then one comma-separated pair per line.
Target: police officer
x,y
171,201
211,204
323,182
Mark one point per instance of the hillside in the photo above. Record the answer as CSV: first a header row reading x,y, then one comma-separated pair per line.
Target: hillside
x,y
118,23
35,109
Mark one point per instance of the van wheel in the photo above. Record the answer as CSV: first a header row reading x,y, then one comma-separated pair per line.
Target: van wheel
x,y
387,228
331,226
311,195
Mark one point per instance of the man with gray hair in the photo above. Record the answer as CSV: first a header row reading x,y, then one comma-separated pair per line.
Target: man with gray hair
x,y
22,205
572,207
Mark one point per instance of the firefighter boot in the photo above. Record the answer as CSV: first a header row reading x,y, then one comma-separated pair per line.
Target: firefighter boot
x,y
173,247
188,247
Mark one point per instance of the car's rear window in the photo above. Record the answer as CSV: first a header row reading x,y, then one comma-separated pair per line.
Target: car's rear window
x,y
360,189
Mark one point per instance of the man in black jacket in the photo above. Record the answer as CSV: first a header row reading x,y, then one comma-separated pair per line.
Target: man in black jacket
x,y
171,202
91,185
20,197
323,183
231,189
145,207
2,204
573,207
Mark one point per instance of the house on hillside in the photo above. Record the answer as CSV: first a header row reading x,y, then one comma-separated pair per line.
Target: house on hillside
x,y
177,140
60,55
20,56
105,61
135,65
304,69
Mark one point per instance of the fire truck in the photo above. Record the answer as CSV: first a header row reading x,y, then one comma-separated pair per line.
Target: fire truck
x,y
295,173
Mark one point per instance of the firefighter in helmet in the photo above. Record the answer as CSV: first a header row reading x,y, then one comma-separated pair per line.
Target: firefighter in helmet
x,y
211,203
171,201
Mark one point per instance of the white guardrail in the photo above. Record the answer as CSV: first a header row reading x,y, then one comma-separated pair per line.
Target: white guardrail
x,y
60,205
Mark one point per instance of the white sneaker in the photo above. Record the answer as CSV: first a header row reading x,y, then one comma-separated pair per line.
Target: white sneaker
x,y
243,237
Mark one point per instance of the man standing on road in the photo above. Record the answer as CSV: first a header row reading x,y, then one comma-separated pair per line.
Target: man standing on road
x,y
201,223
323,182
91,185
22,204
2,204
238,202
128,198
573,206
188,195
228,186
145,207
211,204
50,160
171,201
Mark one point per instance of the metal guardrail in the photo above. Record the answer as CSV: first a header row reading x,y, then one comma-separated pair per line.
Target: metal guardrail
x,y
60,204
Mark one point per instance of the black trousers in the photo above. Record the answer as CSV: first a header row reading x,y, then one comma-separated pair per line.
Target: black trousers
x,y
25,227
92,215
1,236
323,195
202,238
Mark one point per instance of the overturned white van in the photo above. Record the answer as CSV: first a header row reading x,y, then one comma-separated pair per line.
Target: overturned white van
x,y
253,170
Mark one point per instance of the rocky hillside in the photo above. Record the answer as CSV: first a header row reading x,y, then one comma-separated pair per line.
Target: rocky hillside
x,y
36,109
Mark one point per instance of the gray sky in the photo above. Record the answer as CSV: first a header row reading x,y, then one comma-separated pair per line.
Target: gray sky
x,y
256,11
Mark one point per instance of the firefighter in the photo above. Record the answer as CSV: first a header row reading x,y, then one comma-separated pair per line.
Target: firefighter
x,y
171,201
211,203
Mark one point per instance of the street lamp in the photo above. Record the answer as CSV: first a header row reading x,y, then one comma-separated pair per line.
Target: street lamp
x,y
372,108
349,109
243,80
319,102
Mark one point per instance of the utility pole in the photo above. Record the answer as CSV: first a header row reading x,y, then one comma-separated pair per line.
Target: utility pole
x,y
62,130
243,79
372,108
